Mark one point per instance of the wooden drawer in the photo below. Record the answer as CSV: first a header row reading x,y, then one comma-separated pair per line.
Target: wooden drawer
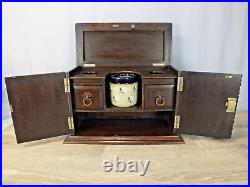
x,y
159,97
88,97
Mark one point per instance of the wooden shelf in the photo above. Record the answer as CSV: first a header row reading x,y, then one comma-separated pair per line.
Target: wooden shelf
x,y
126,109
124,127
124,140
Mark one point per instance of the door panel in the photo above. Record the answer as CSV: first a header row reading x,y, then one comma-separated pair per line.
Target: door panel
x,y
201,103
40,106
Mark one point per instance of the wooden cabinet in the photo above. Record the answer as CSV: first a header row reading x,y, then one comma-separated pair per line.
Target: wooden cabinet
x,y
170,102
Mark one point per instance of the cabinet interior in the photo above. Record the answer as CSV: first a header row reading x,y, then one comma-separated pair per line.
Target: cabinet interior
x,y
124,124
109,122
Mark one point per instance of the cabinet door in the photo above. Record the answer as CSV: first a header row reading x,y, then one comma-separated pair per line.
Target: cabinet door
x,y
206,103
40,106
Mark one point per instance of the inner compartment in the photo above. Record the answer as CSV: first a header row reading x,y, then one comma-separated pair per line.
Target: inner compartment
x,y
124,124
109,104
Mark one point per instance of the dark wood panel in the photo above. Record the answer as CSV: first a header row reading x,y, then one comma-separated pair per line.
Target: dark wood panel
x,y
40,106
124,127
134,44
201,104
124,45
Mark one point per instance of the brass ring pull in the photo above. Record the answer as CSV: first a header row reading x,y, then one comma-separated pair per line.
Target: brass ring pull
x,y
160,101
87,101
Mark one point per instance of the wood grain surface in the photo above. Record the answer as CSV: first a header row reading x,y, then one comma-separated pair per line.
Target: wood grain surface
x,y
201,160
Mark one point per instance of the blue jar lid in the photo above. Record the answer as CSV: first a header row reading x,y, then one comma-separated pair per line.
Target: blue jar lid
x,y
123,78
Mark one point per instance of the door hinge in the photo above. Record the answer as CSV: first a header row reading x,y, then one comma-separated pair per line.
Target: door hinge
x,y
66,85
177,122
11,108
89,65
180,84
71,122
231,104
158,65
228,76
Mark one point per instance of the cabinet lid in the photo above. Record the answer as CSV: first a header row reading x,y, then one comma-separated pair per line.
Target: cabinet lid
x,y
123,44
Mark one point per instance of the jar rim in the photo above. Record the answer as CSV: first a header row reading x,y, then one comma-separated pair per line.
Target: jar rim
x,y
123,78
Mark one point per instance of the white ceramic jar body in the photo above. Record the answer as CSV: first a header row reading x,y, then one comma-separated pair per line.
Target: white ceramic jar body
x,y
124,95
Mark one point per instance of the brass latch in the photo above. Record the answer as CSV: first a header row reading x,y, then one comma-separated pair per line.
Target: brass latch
x,y
71,122
231,104
158,65
177,122
66,85
11,108
180,84
89,65
228,76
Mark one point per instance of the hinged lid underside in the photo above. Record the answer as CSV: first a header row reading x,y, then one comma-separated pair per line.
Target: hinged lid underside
x,y
134,44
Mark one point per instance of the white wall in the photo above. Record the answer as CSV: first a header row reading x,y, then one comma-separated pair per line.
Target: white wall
x,y
39,37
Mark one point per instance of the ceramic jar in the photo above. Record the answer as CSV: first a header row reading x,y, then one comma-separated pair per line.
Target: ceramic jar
x,y
123,89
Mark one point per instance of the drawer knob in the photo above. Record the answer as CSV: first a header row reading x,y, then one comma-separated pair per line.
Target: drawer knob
x,y
160,101
87,101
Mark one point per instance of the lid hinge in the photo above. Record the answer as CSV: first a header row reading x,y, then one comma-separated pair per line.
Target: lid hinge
x,y
89,65
70,122
11,108
66,85
158,65
180,84
177,121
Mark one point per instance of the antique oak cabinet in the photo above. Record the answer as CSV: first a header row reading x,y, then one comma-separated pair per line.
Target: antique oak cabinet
x,y
77,103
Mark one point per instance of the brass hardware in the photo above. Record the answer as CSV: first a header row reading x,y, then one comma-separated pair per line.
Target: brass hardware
x,y
160,101
158,64
180,84
11,108
228,76
87,101
115,26
177,122
66,85
132,26
231,104
70,122
89,65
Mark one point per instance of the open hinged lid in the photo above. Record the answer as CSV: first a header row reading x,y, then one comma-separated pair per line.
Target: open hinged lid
x,y
130,44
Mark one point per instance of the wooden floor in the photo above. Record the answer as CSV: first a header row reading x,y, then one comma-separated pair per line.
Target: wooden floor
x,y
201,160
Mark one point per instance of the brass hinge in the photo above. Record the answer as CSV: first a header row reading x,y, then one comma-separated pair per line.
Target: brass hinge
x,y
71,122
66,85
180,84
231,104
158,65
228,76
177,122
11,108
89,65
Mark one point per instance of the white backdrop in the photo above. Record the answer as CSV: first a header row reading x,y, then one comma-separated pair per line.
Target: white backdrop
x,y
40,38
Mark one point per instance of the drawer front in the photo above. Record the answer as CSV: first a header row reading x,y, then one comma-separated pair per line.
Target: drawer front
x,y
159,96
88,97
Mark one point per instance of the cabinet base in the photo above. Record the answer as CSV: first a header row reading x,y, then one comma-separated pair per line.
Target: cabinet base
x,y
124,140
